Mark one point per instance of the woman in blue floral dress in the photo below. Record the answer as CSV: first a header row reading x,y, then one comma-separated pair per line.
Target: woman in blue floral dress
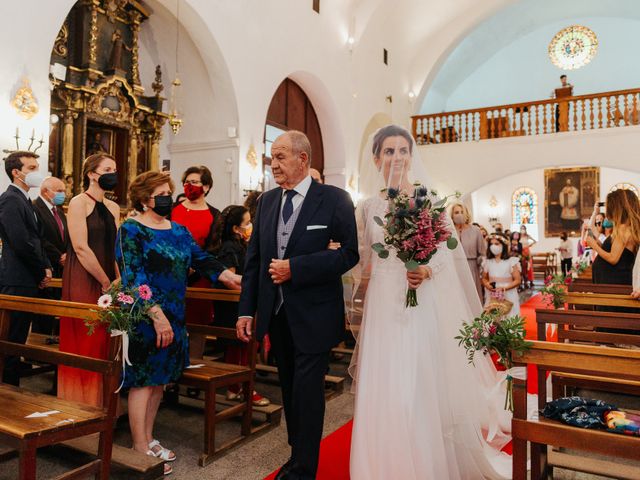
x,y
152,250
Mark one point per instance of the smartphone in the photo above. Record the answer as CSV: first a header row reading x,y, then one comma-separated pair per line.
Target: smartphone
x,y
493,284
601,204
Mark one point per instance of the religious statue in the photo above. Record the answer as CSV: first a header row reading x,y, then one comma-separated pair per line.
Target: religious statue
x,y
116,51
569,197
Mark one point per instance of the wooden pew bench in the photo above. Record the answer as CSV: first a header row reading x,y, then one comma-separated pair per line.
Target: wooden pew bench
x,y
213,375
610,364
27,434
607,289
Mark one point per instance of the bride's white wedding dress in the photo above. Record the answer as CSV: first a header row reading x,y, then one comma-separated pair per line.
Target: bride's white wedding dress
x,y
421,411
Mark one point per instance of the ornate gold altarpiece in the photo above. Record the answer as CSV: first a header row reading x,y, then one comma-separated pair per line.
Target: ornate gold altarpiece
x,y
101,103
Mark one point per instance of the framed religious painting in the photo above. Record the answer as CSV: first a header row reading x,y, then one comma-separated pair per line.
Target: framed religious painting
x,y
570,194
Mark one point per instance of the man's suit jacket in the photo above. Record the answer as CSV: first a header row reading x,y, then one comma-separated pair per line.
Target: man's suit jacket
x,y
313,298
54,245
23,261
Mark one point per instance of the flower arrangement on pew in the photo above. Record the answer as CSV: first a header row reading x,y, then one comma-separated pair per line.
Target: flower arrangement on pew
x,y
493,333
121,309
579,268
414,227
554,291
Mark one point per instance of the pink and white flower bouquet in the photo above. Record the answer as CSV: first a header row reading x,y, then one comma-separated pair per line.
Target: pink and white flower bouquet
x,y
122,308
414,227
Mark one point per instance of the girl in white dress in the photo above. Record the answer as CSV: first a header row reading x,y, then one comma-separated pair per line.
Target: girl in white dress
x,y
502,273
421,411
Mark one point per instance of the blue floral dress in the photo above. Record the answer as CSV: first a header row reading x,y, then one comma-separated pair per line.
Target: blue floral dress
x,y
160,259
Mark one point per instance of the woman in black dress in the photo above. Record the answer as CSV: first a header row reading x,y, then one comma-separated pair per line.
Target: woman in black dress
x,y
616,256
232,237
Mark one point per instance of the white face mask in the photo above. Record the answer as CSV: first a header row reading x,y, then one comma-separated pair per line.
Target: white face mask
x,y
496,249
33,179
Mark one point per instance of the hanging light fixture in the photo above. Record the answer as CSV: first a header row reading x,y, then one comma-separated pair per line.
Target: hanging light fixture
x,y
175,117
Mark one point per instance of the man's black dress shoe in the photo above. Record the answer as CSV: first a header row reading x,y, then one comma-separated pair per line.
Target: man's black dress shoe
x,y
284,469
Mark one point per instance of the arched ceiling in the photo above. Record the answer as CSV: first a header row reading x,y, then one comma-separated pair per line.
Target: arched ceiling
x,y
513,22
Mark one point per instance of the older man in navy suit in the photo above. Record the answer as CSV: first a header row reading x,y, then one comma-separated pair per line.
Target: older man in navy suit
x,y
24,267
292,282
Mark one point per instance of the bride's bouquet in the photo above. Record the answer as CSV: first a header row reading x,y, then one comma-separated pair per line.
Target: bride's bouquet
x,y
414,227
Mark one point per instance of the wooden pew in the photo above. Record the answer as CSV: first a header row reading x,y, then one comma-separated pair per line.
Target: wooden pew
x,y
74,419
601,300
543,264
593,361
607,289
213,375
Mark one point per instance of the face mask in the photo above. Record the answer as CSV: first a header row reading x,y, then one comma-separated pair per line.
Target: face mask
x,y
193,192
607,223
246,232
33,179
58,198
108,181
458,218
163,205
496,249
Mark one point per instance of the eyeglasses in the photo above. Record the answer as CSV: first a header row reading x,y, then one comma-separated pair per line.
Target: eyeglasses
x,y
193,182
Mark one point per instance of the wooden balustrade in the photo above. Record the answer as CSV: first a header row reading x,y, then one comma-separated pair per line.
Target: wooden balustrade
x,y
570,114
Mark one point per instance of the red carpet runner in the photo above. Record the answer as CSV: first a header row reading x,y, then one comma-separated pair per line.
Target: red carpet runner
x,y
334,455
334,449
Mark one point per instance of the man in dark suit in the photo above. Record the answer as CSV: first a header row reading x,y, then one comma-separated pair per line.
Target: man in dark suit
x,y
292,283
55,240
24,267
49,211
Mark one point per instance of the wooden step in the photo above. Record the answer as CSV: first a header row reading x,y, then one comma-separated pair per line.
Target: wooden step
x,y
593,465
143,466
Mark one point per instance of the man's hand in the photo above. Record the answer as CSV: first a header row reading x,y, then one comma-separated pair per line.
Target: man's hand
x,y
47,278
63,259
280,271
419,275
334,245
231,280
243,328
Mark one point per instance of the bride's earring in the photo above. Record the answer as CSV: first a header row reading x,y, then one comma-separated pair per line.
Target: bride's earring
x,y
144,208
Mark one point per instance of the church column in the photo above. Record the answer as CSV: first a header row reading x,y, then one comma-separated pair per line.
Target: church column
x,y
154,154
67,143
133,155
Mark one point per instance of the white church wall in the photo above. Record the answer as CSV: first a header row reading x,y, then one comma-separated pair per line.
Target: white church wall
x,y
522,71
503,189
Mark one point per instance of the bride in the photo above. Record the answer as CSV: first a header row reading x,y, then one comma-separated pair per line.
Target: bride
x,y
421,412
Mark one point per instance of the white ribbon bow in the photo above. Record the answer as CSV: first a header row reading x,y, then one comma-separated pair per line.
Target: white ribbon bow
x,y
519,373
125,353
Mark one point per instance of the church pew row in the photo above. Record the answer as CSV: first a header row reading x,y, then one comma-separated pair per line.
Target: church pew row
x,y
25,432
607,289
609,364
212,375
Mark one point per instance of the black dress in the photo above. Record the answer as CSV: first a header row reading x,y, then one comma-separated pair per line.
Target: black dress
x,y
602,272
620,274
232,254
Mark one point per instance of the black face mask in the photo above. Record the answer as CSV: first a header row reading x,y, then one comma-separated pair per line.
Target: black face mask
x,y
164,204
108,181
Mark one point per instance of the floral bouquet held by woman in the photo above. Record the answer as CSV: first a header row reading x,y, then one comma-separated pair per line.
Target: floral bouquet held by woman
x,y
121,309
414,227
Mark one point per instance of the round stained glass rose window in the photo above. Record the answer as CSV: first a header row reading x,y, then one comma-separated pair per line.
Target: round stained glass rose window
x,y
573,47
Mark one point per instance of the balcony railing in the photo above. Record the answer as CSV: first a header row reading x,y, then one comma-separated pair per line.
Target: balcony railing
x,y
569,114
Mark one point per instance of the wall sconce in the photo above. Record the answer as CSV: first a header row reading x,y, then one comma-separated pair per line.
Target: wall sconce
x,y
350,43
412,97
352,189
493,210
33,139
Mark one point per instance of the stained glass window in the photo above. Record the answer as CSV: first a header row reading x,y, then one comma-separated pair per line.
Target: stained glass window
x,y
625,186
573,47
525,206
